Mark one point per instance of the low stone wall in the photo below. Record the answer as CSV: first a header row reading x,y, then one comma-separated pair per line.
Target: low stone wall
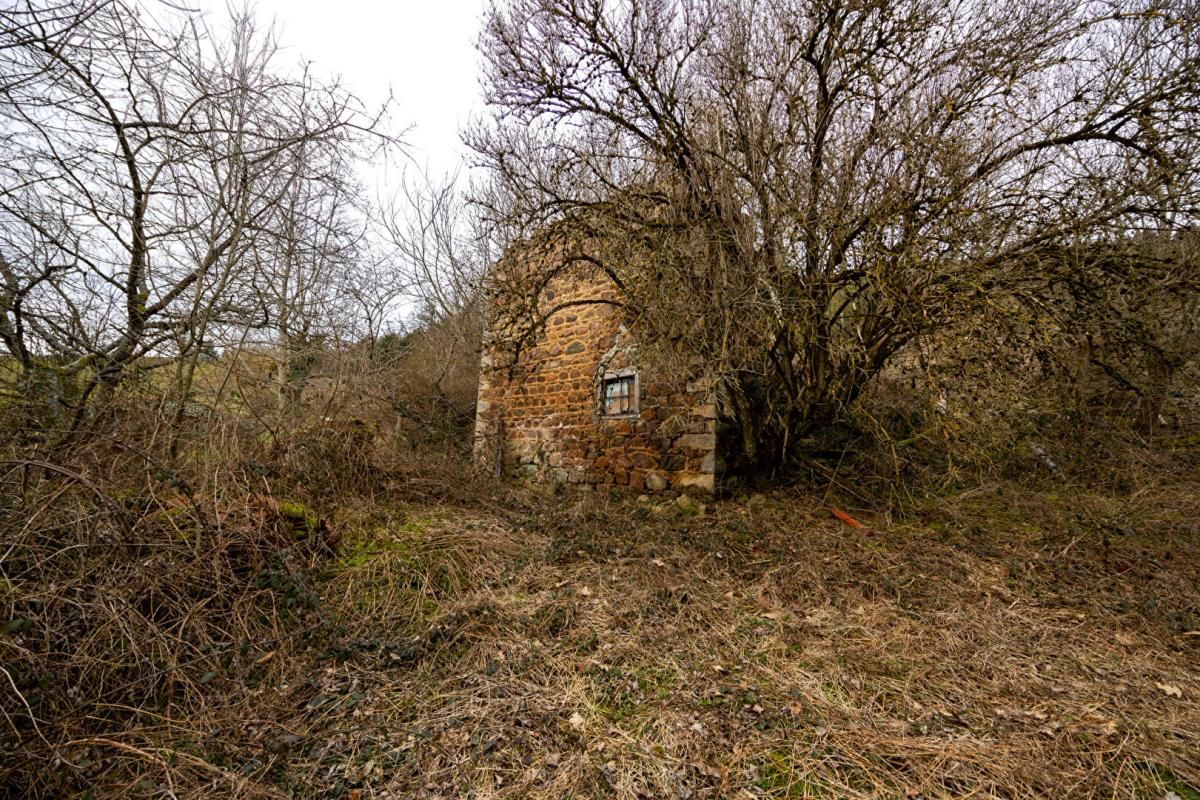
x,y
540,418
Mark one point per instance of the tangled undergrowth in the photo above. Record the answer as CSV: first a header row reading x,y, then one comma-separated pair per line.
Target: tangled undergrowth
x,y
140,600
1015,640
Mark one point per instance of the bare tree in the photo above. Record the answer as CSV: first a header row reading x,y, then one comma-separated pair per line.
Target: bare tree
x,y
440,244
312,239
1128,312
145,162
791,191
441,249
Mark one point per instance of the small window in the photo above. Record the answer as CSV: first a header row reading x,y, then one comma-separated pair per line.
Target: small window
x,y
619,394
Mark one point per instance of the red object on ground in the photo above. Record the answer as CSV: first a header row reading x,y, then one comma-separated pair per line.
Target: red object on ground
x,y
846,518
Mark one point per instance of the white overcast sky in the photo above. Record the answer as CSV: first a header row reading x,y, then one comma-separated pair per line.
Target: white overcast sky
x,y
423,52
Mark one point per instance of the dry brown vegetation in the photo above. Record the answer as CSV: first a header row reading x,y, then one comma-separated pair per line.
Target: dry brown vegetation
x,y
418,635
764,649
243,553
326,600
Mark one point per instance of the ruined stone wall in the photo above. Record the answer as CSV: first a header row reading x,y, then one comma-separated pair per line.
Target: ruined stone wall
x,y
540,418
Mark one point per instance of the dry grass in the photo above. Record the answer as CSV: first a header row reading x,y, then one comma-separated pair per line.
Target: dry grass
x,y
1009,641
998,648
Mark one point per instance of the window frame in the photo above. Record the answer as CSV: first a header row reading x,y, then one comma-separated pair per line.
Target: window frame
x,y
609,377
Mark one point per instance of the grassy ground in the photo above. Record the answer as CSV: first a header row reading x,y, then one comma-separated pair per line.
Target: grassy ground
x,y
1005,642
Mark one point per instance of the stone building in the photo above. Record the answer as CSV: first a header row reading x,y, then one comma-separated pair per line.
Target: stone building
x,y
575,406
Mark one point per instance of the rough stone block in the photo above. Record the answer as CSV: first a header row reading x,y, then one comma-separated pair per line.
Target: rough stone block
x,y
655,482
695,480
643,460
697,441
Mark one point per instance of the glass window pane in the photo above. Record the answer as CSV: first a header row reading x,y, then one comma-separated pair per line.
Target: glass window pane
x,y
618,395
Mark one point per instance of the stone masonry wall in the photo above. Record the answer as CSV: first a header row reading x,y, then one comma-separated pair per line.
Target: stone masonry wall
x,y
540,419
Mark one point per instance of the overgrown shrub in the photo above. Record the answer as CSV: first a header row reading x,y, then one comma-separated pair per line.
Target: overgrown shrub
x,y
126,599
